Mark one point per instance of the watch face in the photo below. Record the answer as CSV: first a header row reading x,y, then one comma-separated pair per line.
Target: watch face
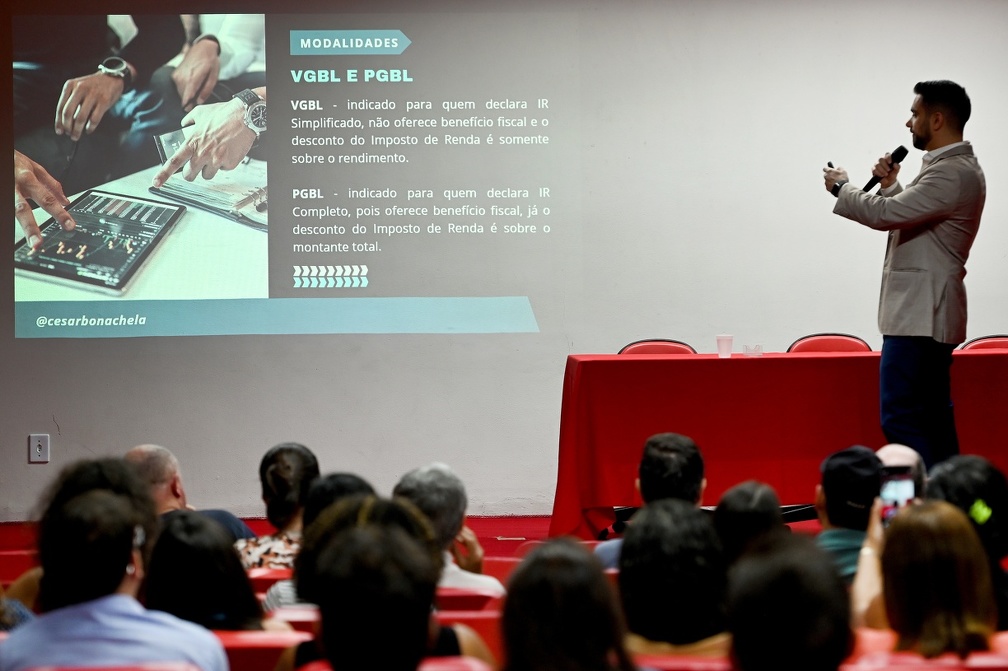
x,y
257,116
113,65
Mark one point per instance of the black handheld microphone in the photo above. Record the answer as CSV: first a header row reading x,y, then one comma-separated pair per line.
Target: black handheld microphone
x,y
897,156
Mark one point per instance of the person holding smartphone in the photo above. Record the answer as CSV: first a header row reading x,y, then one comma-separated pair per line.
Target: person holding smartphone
x,y
851,480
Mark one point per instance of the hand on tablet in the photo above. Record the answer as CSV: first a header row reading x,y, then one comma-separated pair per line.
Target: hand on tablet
x,y
31,181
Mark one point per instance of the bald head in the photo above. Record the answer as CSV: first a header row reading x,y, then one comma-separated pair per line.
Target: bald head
x,y
159,469
895,454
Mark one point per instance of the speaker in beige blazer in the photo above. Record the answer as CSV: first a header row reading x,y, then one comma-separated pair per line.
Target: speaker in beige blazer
x,y
931,223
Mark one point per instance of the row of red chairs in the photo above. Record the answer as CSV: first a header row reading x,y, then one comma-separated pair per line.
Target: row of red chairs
x,y
260,651
816,342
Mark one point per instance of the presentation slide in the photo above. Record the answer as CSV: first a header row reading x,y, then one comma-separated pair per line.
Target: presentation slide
x,y
397,186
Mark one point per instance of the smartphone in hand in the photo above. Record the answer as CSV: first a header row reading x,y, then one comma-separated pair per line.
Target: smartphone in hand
x,y
898,490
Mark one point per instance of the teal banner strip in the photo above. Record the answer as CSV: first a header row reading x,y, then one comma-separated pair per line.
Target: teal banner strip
x,y
347,42
274,316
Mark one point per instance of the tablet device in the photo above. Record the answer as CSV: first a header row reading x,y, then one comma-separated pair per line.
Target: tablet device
x,y
115,234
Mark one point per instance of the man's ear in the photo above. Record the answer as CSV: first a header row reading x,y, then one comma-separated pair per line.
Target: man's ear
x,y
136,561
820,498
636,484
134,575
703,488
937,120
177,490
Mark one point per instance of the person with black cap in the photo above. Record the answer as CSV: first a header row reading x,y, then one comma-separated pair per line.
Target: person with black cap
x,y
851,479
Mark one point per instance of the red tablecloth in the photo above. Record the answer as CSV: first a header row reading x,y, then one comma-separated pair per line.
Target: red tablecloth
x,y
771,418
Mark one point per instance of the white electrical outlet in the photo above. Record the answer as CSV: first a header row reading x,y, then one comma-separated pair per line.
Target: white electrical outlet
x,y
38,448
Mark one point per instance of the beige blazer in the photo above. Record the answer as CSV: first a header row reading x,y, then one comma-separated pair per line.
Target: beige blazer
x,y
931,223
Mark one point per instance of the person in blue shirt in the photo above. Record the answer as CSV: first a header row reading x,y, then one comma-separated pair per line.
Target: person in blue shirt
x,y
94,539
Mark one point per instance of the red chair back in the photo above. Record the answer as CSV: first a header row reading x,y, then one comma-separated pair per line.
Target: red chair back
x,y
486,623
908,661
15,562
829,342
455,598
987,342
258,650
263,578
429,664
500,567
657,346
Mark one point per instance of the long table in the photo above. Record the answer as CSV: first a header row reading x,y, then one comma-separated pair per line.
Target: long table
x,y
771,418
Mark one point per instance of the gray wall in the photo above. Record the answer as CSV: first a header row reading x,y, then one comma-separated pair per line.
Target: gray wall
x,y
703,130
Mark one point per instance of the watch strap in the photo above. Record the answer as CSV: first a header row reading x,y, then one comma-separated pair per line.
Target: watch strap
x,y
248,96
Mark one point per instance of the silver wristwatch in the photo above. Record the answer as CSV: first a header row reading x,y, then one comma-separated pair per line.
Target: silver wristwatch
x,y
255,111
114,66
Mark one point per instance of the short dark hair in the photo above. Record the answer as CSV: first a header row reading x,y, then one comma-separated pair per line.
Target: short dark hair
x,y
59,548
561,613
670,468
947,97
375,582
285,472
196,574
746,512
328,489
788,608
672,574
440,495
85,547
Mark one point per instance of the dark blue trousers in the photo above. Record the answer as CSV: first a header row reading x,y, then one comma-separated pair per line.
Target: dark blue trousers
x,y
916,398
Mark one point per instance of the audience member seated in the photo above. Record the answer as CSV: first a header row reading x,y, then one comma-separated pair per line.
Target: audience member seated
x,y
851,479
745,513
159,468
929,572
788,608
670,468
441,496
979,489
195,574
672,581
376,590
93,540
323,492
360,510
561,613
285,472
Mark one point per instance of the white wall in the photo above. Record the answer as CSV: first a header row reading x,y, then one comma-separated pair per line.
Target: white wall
x,y
704,130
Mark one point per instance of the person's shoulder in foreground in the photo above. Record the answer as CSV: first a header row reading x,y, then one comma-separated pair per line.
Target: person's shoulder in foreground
x,y
116,630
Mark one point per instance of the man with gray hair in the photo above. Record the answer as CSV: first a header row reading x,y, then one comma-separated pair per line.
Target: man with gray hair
x,y
159,469
441,496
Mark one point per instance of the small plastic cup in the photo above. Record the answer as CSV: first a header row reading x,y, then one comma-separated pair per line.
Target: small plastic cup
x,y
724,346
